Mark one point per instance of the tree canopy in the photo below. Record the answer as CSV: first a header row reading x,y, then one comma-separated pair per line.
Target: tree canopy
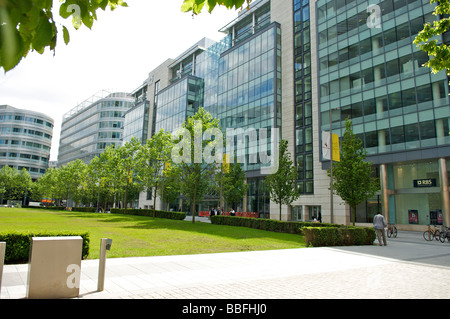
x,y
196,6
429,39
282,184
353,177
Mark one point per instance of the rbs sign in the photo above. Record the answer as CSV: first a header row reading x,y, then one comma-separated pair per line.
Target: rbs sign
x,y
427,182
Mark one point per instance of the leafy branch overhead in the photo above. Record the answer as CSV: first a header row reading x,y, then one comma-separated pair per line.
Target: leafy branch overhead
x,y
429,39
29,25
196,6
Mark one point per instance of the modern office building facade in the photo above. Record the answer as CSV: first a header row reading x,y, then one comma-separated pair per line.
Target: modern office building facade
x,y
25,140
93,125
369,70
286,64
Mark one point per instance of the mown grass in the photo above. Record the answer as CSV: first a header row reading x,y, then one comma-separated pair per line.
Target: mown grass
x,y
146,236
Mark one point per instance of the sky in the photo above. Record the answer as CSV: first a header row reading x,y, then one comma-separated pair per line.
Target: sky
x,y
117,54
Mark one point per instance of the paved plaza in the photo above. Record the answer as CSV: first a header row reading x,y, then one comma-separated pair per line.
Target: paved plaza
x,y
408,267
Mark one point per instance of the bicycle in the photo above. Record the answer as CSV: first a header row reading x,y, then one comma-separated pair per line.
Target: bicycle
x,y
445,233
431,234
391,231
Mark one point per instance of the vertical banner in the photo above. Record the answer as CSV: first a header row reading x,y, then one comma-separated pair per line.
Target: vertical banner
x,y
226,163
326,146
336,151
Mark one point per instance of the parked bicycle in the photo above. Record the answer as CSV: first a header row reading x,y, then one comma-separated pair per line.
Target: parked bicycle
x,y
431,234
445,233
391,231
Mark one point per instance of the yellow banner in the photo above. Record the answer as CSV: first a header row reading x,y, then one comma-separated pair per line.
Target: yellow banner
x,y
226,163
336,153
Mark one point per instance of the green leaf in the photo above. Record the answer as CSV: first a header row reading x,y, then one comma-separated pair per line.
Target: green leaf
x,y
187,5
66,35
44,35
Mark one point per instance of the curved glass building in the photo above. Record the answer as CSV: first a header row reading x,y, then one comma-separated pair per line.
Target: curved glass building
x,y
25,140
93,125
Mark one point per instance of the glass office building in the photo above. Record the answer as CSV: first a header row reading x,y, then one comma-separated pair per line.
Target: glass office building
x,y
293,65
137,117
25,140
92,126
373,74
238,81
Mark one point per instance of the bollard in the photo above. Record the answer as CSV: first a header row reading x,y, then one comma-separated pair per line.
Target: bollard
x,y
2,261
54,267
105,244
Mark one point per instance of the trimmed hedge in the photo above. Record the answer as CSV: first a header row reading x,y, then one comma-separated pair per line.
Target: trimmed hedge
x,y
316,234
149,213
46,207
18,244
74,209
342,236
291,227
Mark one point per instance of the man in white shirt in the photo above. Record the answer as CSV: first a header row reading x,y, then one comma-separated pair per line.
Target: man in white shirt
x,y
379,224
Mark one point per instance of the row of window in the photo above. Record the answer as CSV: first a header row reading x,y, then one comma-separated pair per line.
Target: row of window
x,y
397,103
24,156
23,118
19,130
328,9
19,143
407,137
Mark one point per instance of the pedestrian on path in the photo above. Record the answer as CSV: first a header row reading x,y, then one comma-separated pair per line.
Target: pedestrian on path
x,y
379,224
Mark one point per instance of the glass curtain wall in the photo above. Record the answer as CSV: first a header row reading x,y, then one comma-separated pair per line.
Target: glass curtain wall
x,y
303,96
247,88
375,76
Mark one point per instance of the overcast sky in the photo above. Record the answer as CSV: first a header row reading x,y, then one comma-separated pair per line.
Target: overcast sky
x,y
117,54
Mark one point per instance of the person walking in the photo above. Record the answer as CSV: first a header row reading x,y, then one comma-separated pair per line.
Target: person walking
x,y
379,224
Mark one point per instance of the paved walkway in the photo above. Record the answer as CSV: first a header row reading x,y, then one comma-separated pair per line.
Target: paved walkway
x,y
408,267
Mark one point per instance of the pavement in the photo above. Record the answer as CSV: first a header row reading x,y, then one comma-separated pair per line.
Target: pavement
x,y
408,268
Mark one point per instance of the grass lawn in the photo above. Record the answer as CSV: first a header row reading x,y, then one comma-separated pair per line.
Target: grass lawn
x,y
145,236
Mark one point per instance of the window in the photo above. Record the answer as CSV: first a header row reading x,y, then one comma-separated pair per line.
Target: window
x,y
412,132
397,135
427,130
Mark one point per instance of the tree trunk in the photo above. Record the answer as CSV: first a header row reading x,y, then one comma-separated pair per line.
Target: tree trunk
x,y
154,202
193,210
280,211
354,215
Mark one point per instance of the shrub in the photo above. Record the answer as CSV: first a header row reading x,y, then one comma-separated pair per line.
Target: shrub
x,y
84,209
291,227
316,234
18,244
46,207
342,236
149,213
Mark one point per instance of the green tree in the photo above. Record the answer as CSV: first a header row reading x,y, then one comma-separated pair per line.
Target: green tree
x,y
234,186
282,184
353,177
170,187
126,160
70,180
99,169
196,6
429,39
151,161
194,157
29,25
45,186
15,184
